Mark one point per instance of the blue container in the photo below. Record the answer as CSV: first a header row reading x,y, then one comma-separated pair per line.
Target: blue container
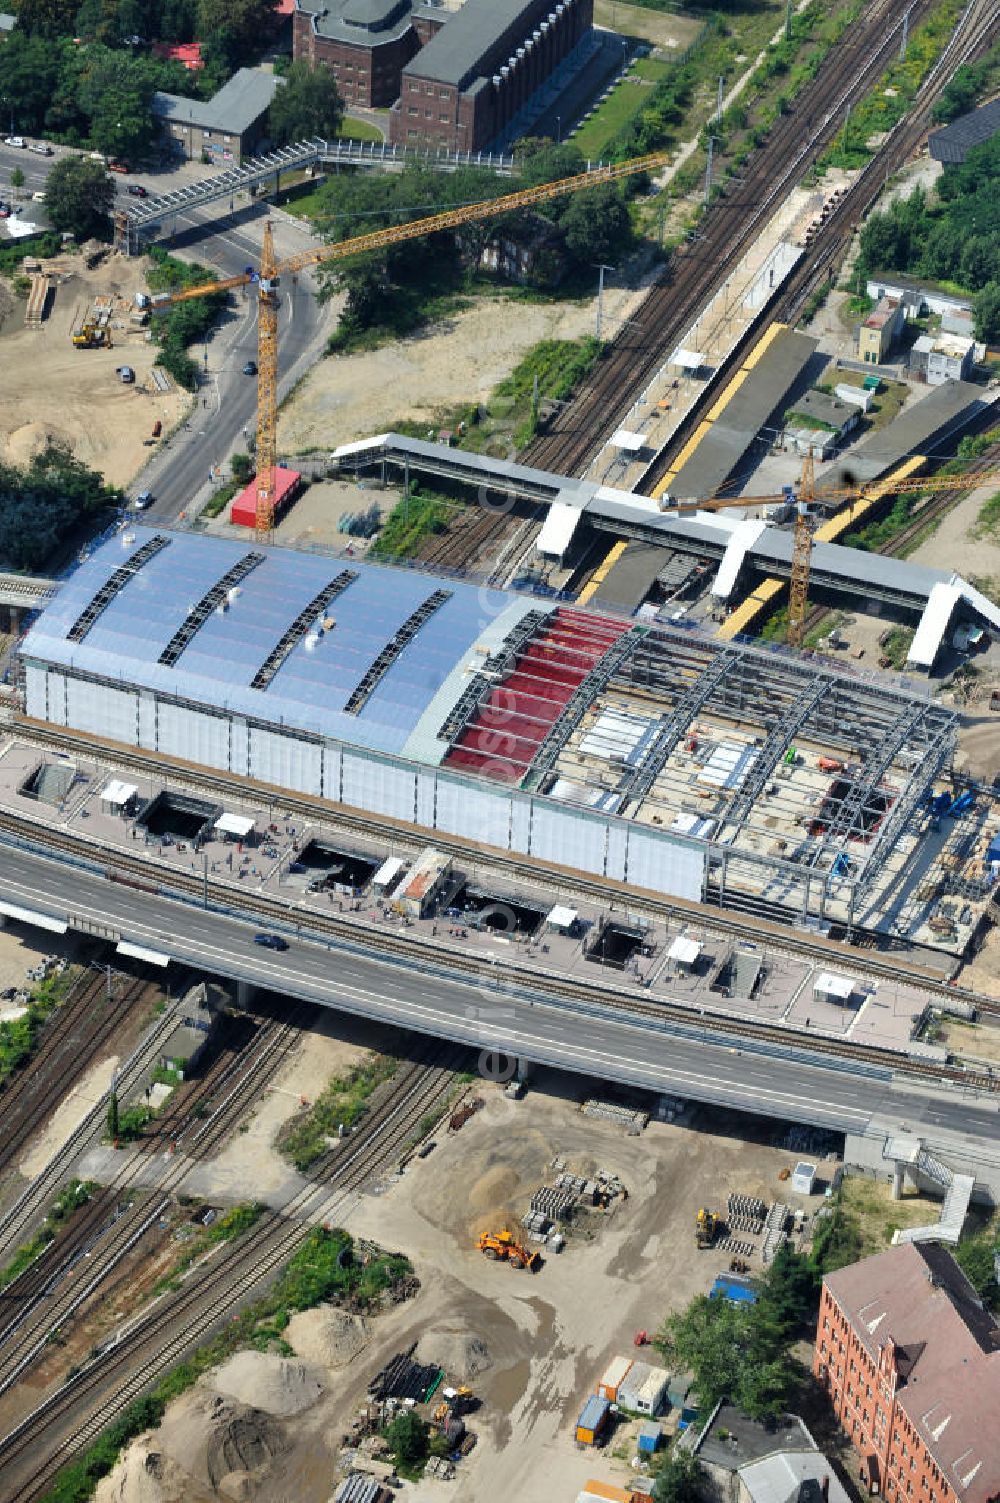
x,y
649,1439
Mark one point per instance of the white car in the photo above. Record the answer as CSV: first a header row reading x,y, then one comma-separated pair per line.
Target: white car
x,y
15,141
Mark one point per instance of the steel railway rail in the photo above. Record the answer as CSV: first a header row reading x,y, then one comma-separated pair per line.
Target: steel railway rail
x,y
404,949
32,1453
728,228
727,923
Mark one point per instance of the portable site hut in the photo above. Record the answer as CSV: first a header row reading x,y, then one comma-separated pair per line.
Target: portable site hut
x,y
804,1178
592,1421
424,883
631,1386
652,1396
613,1377
649,1438
837,990
606,1492
678,1388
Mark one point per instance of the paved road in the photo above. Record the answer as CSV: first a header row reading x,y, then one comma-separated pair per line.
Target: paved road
x,y
228,401
589,1041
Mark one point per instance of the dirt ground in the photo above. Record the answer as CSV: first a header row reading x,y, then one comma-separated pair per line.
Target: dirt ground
x,y
971,1042
67,1116
313,518
460,359
953,547
50,390
531,1346
21,949
673,31
982,972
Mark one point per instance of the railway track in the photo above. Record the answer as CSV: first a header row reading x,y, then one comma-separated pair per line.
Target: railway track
x,y
32,1453
71,1040
724,923
976,32
48,1294
404,950
727,229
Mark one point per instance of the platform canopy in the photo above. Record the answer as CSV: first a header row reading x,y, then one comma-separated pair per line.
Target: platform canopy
x,y
118,793
834,986
239,825
684,950
558,528
624,438
561,917
689,360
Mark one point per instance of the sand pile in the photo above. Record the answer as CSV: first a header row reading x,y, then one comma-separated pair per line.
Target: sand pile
x,y
30,439
212,1436
462,1356
327,1336
144,1475
494,1188
272,1384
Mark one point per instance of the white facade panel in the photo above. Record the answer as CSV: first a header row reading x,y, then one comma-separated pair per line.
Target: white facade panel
x,y
35,698
331,773
55,697
477,813
568,837
426,798
663,865
192,735
378,787
147,719
101,710
288,761
520,822
239,747
617,851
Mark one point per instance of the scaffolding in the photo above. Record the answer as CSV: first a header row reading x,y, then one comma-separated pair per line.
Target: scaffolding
x,y
366,687
114,585
212,599
311,613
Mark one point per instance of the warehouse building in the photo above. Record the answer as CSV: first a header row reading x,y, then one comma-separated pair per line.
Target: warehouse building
x,y
365,43
952,145
225,128
644,754
479,72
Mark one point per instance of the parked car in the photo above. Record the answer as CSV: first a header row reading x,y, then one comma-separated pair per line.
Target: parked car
x,y
144,500
271,941
4,211
250,369
38,198
42,148
116,166
125,374
137,190
15,141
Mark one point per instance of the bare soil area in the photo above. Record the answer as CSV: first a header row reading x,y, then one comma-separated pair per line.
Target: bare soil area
x,y
531,1346
50,390
982,972
970,1041
952,546
21,949
460,359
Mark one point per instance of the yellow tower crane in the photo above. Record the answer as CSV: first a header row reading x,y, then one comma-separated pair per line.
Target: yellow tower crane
x,y
808,496
268,280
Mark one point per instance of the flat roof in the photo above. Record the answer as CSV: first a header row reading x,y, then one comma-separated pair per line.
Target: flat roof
x,y
955,141
239,825
925,426
460,52
117,792
744,415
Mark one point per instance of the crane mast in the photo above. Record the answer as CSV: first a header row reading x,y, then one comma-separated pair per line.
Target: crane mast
x,y
267,388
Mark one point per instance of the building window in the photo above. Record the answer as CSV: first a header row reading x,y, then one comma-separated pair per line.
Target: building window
x,y
444,119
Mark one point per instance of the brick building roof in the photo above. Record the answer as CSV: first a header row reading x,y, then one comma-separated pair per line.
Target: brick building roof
x,y
948,1355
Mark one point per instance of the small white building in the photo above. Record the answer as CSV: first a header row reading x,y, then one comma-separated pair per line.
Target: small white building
x,y
837,990
683,954
424,883
937,358
804,1178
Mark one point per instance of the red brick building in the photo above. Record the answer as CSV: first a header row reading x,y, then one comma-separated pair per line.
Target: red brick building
x,y
465,87
366,43
911,1361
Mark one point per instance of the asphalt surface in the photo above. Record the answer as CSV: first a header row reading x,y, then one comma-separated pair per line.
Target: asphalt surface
x,y
592,1041
228,244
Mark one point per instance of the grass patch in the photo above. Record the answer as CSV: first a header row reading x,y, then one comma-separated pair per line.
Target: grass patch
x,y
218,502
19,1037
623,102
412,520
75,1195
233,1224
328,1266
895,650
344,1100
987,525
352,129
558,366
863,1219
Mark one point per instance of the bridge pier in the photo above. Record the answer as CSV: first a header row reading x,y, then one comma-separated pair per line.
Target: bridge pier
x,y
245,991
11,618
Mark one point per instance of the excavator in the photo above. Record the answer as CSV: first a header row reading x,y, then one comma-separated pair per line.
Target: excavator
x,y
706,1226
503,1246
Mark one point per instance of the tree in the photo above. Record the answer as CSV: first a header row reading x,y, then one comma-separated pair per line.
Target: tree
x,y
677,1477
48,18
113,1116
79,197
115,93
307,104
17,179
735,1351
596,225
976,1260
245,25
791,1292
40,504
986,307
408,1438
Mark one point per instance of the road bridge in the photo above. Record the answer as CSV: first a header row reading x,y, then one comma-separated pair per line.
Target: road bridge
x,y
788,1083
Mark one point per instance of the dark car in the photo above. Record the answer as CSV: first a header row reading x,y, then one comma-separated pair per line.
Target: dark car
x,y
271,941
250,369
137,190
144,500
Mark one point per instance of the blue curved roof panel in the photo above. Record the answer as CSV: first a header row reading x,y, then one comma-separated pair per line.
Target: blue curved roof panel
x,y
227,645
